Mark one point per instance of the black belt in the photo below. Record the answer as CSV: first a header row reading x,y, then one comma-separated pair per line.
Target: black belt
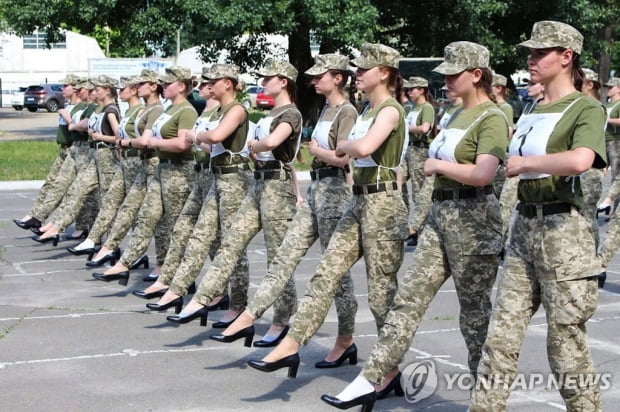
x,y
270,174
174,161
201,166
225,170
130,153
531,209
418,143
326,172
374,188
466,193
81,142
101,145
148,154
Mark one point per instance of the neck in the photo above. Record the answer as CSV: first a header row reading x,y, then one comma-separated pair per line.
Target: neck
x,y
106,101
420,100
474,98
378,96
224,100
558,88
152,99
335,98
282,99
211,103
179,99
134,101
75,99
614,97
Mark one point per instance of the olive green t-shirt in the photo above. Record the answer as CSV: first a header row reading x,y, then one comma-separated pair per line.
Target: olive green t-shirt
x,y
487,134
613,132
235,142
581,126
447,115
87,109
507,110
147,117
129,121
343,119
286,151
182,116
63,135
389,153
426,115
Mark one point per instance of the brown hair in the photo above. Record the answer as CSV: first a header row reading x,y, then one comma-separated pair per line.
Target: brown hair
x,y
189,85
486,82
577,72
291,88
395,81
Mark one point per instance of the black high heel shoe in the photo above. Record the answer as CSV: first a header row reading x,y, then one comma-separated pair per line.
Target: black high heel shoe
x,y
393,385
150,277
602,277
54,239
367,401
143,261
151,295
122,277
36,230
247,333
268,344
79,252
291,362
177,303
606,210
83,236
32,222
112,257
201,313
350,354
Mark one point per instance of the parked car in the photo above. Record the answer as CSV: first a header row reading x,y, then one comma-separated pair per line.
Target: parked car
x,y
48,96
249,99
17,98
264,101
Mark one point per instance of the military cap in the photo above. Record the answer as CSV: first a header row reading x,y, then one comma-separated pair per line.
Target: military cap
x,y
104,81
148,76
85,83
415,81
129,81
461,55
71,79
176,73
326,62
221,71
546,34
590,75
613,81
499,80
374,54
278,68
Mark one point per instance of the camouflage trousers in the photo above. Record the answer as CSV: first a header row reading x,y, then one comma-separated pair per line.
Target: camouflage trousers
x,y
102,164
613,157
52,177
77,159
162,205
614,190
117,191
592,187
373,227
327,199
610,245
128,210
461,239
269,205
550,261
216,217
421,186
507,202
499,179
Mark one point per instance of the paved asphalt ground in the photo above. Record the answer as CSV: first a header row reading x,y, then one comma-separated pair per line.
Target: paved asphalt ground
x,y
69,343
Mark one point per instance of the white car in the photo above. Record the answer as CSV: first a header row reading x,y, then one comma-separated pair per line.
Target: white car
x,y
252,90
17,98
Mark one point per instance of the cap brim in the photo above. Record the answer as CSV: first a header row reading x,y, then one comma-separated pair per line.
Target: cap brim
x,y
533,44
448,69
167,79
362,63
316,70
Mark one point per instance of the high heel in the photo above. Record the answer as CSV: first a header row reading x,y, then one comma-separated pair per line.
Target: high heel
x,y
393,385
247,333
201,313
84,235
220,324
143,261
350,354
54,239
268,344
32,222
79,252
122,277
292,362
112,257
177,303
151,295
151,277
603,209
36,230
602,277
367,401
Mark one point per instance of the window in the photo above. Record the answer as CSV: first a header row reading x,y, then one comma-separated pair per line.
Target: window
x,y
36,40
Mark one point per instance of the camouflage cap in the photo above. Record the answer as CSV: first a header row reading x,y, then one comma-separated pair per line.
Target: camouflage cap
x,y
461,55
220,71
415,81
374,54
499,80
176,73
546,34
129,81
148,76
71,79
613,81
278,68
325,62
590,75
85,83
104,81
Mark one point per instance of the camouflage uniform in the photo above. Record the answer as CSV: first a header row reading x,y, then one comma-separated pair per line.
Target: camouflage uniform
x,y
592,187
551,255
507,203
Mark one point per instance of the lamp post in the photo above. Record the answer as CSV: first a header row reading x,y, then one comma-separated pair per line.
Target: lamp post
x,y
106,28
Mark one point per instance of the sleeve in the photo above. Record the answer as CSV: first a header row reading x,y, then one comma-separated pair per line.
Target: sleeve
x,y
153,115
590,132
293,118
346,121
427,115
187,118
493,136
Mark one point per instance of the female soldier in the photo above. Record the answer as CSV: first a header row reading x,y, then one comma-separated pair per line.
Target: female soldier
x,y
102,163
169,189
462,234
551,257
374,224
328,197
612,142
269,204
501,93
225,130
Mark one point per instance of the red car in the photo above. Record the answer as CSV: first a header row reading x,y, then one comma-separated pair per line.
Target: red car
x,y
264,101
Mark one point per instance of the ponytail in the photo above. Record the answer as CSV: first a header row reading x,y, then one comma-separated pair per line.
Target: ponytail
x,y
395,81
577,73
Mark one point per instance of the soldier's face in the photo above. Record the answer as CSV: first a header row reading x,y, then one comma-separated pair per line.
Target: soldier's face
x,y
546,63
